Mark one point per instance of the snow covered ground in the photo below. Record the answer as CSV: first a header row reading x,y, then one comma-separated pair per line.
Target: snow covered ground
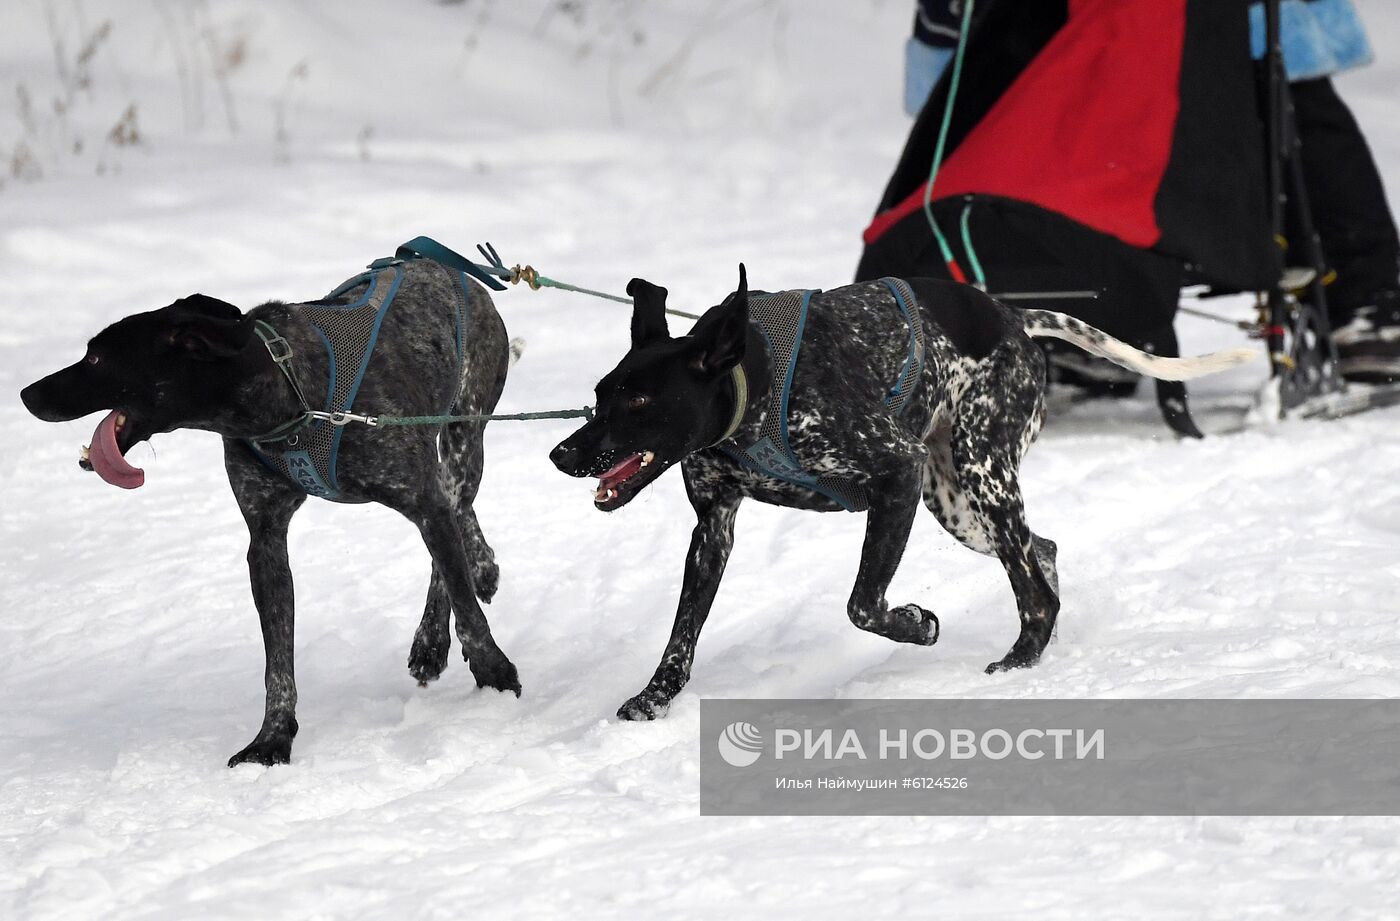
x,y
662,140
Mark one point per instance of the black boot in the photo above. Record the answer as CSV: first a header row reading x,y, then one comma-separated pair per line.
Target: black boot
x,y
1368,342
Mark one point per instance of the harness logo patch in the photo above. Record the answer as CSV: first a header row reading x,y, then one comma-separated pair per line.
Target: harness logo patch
x,y
303,471
775,460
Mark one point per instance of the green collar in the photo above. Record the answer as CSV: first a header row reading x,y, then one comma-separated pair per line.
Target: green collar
x,y
741,401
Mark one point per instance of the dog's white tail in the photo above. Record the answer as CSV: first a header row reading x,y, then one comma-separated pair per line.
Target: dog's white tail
x,y
1046,324
517,348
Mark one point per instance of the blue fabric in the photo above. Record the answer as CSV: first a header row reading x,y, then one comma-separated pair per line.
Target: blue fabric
x,y
923,65
1320,37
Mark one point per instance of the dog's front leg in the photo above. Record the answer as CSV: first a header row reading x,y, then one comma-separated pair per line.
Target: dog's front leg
x,y
268,512
895,501
710,544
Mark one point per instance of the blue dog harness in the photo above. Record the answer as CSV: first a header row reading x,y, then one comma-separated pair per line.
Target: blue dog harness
x,y
305,450
781,318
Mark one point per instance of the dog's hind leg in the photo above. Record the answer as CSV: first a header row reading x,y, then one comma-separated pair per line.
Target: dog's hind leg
x,y
944,497
460,475
1037,602
993,425
894,503
1045,554
432,511
268,504
462,464
710,544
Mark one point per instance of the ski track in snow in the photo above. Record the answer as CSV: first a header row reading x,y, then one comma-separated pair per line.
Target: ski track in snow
x,y
1255,565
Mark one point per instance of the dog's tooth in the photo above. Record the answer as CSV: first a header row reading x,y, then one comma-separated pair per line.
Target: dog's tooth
x,y
612,493
85,453
648,457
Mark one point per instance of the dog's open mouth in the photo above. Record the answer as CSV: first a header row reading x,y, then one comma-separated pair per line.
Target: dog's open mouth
x,y
114,436
623,480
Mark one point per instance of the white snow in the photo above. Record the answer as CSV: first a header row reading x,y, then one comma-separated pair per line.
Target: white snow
x,y
663,140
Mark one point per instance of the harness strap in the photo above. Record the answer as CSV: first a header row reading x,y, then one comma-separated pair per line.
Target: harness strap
x,y
898,398
281,353
429,248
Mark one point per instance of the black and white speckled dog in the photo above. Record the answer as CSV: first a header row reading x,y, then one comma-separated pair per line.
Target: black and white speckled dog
x,y
904,391
425,340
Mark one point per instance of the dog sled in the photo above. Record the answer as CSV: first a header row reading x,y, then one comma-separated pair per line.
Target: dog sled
x,y
1097,158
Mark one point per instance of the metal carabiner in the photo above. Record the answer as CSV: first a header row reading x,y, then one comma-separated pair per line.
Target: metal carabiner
x,y
342,418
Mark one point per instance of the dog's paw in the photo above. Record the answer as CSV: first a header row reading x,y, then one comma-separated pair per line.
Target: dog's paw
x,y
495,672
428,657
1012,660
486,578
265,749
1026,651
645,706
918,625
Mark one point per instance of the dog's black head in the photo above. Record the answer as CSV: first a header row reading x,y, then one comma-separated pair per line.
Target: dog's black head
x,y
666,399
155,371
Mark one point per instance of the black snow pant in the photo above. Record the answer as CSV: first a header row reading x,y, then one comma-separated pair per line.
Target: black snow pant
x,y
1348,202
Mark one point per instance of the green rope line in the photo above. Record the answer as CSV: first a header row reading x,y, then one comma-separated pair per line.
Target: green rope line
x,y
943,247
584,413
535,281
542,281
972,259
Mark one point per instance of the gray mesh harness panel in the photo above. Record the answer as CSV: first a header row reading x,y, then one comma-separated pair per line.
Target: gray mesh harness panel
x,y
781,318
307,456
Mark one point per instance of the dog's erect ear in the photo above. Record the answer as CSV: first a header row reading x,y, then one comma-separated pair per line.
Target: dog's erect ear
x,y
721,346
207,306
648,312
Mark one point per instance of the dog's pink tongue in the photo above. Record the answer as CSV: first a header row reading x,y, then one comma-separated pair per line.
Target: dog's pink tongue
x,y
106,457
